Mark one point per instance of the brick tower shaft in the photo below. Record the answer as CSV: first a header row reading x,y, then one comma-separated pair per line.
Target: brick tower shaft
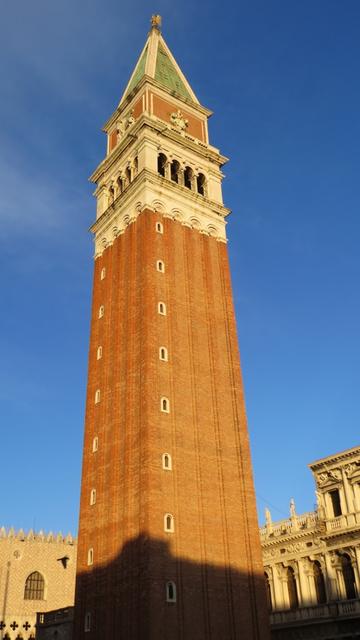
x,y
168,534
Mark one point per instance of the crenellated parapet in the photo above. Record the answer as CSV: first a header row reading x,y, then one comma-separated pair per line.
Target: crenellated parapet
x,y
39,536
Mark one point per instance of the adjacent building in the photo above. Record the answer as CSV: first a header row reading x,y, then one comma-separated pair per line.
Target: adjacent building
x,y
312,560
37,573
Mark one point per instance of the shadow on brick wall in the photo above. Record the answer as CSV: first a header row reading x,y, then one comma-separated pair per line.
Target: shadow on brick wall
x,y
131,593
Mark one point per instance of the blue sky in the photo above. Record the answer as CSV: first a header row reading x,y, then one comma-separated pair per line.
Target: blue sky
x,y
283,80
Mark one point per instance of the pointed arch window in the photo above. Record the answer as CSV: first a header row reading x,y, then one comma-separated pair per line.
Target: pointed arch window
x,y
170,591
101,311
95,444
162,308
159,227
99,353
349,576
161,164
93,496
319,583
97,396
103,273
292,588
163,354
34,587
165,405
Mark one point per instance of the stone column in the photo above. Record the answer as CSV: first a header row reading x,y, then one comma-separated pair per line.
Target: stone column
x,y
349,499
102,200
331,578
281,597
356,566
309,573
168,170
356,491
303,582
343,501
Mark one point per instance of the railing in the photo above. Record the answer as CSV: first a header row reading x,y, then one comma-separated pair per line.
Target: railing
x,y
345,521
320,611
308,520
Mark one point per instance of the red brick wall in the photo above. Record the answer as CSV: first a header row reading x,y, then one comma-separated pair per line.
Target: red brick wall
x,y
214,554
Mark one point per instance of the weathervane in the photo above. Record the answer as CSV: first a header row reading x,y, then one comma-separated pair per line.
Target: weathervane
x,y
156,22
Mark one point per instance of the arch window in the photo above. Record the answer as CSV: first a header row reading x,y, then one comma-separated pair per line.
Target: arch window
x,y
188,177
93,496
120,184
165,405
175,171
103,273
87,622
34,587
101,311
162,308
127,175
163,354
169,523
319,583
161,164
95,444
136,165
170,592
99,353
97,396
200,184
166,461
111,197
349,576
292,589
90,556
160,265
268,591
159,227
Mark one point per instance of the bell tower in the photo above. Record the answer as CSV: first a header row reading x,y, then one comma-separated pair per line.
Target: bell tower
x,y
168,534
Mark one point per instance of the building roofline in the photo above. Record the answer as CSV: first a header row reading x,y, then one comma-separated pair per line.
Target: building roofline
x,y
342,455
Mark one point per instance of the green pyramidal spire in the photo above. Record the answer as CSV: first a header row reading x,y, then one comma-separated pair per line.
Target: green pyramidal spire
x,y
156,61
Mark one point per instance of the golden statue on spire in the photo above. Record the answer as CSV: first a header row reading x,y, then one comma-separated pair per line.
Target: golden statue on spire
x,y
156,22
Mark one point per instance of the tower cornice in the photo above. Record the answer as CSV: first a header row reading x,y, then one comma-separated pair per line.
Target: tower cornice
x,y
149,191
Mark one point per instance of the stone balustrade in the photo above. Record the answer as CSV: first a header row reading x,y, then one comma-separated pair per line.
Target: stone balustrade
x,y
330,610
